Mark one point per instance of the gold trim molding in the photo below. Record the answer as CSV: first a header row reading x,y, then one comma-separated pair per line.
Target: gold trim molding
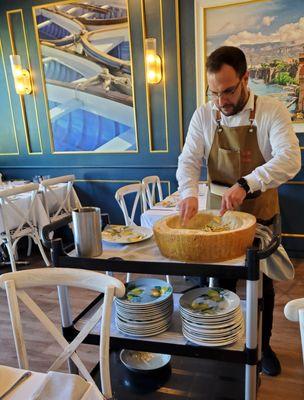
x,y
163,82
11,106
43,80
22,103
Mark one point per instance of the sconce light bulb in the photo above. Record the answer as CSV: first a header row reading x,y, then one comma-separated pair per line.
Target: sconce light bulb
x,y
20,88
17,71
151,75
150,58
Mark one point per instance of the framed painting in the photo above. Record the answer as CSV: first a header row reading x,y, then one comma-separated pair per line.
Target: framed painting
x,y
85,58
271,34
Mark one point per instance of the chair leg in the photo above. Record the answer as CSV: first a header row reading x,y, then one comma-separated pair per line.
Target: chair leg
x,y
16,255
11,256
301,322
45,259
128,277
168,278
29,246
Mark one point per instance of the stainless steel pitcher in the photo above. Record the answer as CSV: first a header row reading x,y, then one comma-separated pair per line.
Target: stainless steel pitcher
x,y
87,231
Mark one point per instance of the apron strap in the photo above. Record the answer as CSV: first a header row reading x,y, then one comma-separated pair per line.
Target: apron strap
x,y
252,114
251,117
218,121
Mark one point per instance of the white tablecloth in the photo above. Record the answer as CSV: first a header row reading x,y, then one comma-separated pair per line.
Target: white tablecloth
x,y
21,201
147,250
26,389
149,217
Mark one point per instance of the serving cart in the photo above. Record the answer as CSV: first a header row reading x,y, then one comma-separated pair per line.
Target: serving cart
x,y
245,353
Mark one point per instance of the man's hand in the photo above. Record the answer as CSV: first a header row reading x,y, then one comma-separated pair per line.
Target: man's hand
x,y
232,198
188,209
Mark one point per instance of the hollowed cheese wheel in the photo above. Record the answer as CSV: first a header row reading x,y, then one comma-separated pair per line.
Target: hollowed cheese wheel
x,y
189,243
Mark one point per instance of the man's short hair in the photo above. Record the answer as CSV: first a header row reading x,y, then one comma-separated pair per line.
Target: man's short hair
x,y
229,55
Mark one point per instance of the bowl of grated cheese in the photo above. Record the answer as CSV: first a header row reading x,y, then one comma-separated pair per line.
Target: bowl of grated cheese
x,y
207,237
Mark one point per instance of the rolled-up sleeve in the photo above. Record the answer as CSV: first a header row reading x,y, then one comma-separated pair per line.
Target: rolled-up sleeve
x,y
286,155
190,160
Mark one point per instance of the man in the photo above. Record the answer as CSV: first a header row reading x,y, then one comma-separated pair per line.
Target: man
x,y
249,145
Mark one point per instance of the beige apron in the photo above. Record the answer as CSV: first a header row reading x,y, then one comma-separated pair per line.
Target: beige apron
x,y
235,153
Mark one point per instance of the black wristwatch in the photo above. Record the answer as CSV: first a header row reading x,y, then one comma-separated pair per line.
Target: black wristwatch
x,y
243,184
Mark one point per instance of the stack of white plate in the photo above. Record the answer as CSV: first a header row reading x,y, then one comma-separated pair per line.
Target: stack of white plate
x,y
146,309
211,316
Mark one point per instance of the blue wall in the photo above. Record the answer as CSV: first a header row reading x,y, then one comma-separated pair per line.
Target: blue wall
x,y
25,146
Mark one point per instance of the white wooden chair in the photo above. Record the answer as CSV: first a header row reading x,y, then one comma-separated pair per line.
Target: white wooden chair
x,y
294,311
151,186
19,222
58,202
140,198
15,282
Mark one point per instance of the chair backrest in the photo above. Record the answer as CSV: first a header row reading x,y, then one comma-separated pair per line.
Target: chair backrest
x,y
15,282
140,198
18,221
57,194
151,183
294,311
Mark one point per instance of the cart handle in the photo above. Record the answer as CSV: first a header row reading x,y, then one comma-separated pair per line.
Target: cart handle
x,y
276,237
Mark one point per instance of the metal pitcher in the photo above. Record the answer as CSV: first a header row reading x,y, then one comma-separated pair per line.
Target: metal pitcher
x,y
87,231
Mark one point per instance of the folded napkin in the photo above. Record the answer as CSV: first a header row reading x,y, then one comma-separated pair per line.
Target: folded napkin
x,y
8,376
57,385
277,266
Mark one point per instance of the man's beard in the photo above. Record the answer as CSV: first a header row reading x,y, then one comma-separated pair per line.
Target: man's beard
x,y
232,109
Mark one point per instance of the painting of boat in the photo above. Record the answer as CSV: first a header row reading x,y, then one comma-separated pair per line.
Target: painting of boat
x,y
271,35
88,75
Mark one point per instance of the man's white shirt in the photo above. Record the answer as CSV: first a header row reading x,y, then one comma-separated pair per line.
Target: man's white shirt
x,y
277,141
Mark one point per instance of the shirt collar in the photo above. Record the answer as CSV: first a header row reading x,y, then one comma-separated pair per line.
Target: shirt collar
x,y
248,106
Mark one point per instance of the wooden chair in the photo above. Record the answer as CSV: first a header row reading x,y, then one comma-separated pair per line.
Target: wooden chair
x,y
15,282
140,198
19,222
151,186
56,203
294,311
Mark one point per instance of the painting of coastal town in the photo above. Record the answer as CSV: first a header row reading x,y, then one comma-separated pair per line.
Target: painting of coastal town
x,y
86,57
271,34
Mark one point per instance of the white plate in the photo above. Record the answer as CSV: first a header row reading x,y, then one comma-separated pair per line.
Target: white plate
x,y
217,301
141,361
141,292
125,234
169,203
144,334
214,344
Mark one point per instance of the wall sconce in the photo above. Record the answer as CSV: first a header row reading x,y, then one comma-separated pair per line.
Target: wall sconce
x,y
21,76
153,62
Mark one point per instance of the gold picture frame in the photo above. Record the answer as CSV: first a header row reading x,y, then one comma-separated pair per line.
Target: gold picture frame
x,y
263,29
86,88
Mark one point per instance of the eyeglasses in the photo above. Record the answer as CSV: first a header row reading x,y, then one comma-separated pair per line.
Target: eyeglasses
x,y
227,93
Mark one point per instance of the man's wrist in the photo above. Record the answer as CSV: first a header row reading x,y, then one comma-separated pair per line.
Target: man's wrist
x,y
242,182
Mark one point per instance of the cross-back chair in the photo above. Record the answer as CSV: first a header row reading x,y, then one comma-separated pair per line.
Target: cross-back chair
x,y
294,311
18,222
151,186
140,198
15,284
57,193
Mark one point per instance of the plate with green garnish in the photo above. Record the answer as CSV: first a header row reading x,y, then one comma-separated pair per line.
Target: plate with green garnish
x,y
146,291
209,302
126,234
